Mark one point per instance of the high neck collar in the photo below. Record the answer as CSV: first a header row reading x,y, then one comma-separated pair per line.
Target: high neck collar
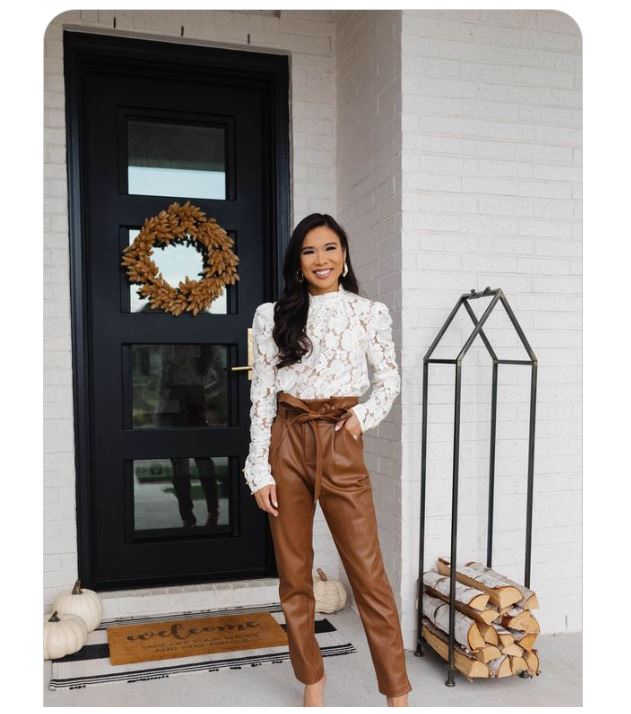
x,y
325,297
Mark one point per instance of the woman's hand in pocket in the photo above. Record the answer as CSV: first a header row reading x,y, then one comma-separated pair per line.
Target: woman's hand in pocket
x,y
351,423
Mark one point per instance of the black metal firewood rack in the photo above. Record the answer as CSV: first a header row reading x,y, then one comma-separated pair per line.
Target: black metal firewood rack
x,y
497,295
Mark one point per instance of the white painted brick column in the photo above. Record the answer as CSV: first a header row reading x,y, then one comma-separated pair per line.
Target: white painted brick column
x,y
491,189
369,207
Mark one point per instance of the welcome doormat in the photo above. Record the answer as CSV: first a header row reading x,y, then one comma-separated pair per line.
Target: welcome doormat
x,y
189,637
91,665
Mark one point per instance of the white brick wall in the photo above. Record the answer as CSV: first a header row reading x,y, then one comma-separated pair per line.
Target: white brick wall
x,y
308,38
491,196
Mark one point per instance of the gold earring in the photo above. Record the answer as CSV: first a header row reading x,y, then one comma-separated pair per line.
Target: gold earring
x,y
300,276
345,269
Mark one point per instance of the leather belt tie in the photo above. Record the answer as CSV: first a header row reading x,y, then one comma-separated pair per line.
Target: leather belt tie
x,y
326,412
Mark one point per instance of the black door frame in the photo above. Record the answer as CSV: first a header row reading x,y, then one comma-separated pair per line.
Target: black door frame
x,y
270,73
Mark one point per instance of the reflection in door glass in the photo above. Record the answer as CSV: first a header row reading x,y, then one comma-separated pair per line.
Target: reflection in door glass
x,y
181,493
179,385
167,159
175,262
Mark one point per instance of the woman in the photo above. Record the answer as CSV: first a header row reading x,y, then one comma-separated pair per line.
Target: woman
x,y
309,369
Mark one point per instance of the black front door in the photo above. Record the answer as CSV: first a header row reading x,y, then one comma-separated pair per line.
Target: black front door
x,y
162,412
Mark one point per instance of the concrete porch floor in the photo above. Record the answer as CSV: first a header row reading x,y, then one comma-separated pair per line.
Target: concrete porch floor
x,y
350,682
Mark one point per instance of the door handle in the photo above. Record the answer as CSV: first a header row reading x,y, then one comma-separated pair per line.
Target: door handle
x,y
249,365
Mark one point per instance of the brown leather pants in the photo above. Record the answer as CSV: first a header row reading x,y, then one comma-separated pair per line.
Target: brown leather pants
x,y
309,459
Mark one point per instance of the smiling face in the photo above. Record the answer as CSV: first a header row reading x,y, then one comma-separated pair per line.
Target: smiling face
x,y
322,260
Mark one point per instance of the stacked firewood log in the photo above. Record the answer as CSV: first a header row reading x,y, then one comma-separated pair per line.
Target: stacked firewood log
x,y
494,628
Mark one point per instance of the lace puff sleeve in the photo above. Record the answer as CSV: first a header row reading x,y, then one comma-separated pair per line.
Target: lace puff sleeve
x,y
385,380
257,470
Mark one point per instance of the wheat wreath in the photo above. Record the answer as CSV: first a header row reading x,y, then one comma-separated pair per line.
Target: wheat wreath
x,y
186,225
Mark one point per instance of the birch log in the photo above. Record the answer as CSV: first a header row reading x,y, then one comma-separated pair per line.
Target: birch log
x,y
518,664
525,639
464,594
529,599
519,619
500,667
485,617
464,661
507,643
489,634
499,594
488,653
505,636
532,658
466,631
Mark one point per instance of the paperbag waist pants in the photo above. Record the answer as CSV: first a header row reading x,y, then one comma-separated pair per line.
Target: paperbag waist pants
x,y
310,460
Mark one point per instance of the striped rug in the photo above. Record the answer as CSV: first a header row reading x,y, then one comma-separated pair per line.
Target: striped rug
x,y
91,665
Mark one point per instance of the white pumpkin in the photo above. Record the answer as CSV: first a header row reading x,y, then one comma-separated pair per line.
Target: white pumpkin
x,y
64,635
330,595
83,602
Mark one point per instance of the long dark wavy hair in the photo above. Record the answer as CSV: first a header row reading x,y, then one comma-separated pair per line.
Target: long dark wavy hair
x,y
292,308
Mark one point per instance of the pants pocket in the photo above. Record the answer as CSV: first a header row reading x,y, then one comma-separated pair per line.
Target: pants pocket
x,y
359,441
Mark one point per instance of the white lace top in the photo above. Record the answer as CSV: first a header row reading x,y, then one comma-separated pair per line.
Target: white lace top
x,y
347,332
